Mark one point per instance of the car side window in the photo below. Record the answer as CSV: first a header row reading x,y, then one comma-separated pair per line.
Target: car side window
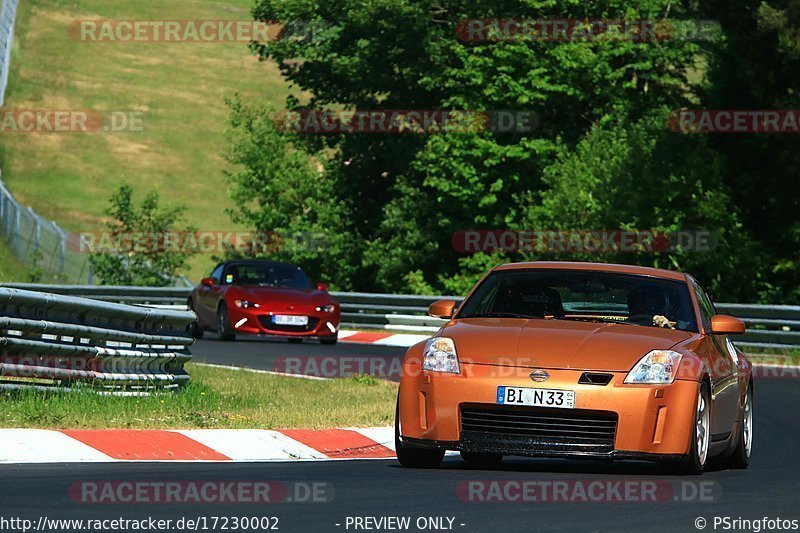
x,y
707,309
216,275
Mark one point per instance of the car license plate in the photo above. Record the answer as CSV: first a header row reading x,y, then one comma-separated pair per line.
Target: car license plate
x,y
564,399
290,320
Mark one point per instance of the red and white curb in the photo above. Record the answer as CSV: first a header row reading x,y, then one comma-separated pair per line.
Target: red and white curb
x,y
223,445
382,339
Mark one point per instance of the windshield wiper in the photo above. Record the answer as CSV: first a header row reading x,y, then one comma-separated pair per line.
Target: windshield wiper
x,y
596,319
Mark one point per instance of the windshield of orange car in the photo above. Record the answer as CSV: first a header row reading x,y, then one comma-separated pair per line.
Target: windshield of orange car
x,y
583,296
266,275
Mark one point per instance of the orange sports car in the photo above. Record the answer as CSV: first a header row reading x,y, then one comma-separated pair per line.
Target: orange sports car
x,y
578,360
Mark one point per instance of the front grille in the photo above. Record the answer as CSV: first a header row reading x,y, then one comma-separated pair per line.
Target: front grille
x,y
535,431
266,323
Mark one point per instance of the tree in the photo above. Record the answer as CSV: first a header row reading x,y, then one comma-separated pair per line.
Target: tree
x,y
142,246
757,66
286,197
402,197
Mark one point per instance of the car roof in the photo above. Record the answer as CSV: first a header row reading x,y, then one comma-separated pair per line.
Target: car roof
x,y
597,267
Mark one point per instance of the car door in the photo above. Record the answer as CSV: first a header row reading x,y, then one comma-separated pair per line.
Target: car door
x,y
724,370
207,298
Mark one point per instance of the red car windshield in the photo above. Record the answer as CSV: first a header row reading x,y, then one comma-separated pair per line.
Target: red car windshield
x,y
573,295
266,275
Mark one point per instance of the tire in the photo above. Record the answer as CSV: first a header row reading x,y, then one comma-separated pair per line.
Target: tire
x,y
295,340
194,328
482,460
740,458
329,341
697,459
414,457
224,332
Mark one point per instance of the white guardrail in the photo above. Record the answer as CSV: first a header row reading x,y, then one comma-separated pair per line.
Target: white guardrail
x,y
769,326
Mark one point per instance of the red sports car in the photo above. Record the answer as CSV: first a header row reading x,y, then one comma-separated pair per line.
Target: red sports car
x,y
264,297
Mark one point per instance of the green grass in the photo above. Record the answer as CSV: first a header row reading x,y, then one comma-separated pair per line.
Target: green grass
x,y
775,356
215,398
11,269
180,88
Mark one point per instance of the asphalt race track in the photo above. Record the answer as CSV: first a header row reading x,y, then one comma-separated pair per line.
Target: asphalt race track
x,y
271,354
381,488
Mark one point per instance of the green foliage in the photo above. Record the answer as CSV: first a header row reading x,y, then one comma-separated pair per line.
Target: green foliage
x,y
602,156
35,272
286,196
137,250
757,66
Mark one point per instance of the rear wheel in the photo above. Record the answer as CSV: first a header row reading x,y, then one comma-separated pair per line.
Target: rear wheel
x,y
695,462
224,332
482,460
414,457
740,458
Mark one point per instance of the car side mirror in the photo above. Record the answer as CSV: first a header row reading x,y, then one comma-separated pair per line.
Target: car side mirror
x,y
442,309
207,282
322,286
726,325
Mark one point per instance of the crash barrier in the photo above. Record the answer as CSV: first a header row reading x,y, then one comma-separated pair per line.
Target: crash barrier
x,y
50,341
8,16
769,326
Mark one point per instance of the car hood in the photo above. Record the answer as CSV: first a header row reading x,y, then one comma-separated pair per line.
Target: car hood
x,y
279,295
554,344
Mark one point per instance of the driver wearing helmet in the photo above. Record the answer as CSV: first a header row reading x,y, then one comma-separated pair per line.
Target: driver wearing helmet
x,y
648,305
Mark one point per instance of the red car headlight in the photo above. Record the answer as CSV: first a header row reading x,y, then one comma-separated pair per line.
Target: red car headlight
x,y
330,308
245,304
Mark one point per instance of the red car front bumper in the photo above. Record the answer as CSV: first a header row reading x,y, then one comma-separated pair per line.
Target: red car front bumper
x,y
260,321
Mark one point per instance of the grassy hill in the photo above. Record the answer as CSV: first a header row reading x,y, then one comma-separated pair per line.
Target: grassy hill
x,y
179,88
10,268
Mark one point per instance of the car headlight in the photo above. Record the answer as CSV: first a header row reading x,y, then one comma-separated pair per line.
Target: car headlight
x,y
330,308
656,368
440,356
245,304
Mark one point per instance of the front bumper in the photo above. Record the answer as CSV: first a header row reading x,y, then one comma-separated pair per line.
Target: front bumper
x,y
650,420
258,321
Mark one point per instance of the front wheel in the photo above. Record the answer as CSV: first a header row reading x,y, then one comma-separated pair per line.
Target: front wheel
x,y
224,332
194,328
329,340
695,462
414,457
